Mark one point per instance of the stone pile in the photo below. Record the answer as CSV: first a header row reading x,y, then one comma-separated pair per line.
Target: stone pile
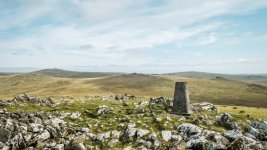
x,y
23,99
204,106
120,97
22,130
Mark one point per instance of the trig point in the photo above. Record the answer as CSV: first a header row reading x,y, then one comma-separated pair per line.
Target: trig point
x,y
181,103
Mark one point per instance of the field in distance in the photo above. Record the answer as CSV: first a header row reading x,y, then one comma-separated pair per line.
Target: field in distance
x,y
215,90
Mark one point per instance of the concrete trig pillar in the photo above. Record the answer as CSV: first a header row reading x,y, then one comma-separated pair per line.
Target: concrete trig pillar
x,y
181,104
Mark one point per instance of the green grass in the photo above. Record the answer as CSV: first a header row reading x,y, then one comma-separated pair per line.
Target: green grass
x,y
129,113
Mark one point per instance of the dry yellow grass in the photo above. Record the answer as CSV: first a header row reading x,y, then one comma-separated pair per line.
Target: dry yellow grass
x,y
218,91
257,113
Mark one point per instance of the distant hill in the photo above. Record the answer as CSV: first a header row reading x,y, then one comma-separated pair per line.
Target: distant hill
x,y
249,77
72,74
217,91
7,73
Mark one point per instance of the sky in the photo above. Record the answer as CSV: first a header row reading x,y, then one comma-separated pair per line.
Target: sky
x,y
147,36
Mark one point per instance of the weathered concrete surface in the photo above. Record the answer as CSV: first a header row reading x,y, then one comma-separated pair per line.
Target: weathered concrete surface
x,y
181,104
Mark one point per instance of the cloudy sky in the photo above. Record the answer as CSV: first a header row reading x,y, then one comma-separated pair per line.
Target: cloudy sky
x,y
152,36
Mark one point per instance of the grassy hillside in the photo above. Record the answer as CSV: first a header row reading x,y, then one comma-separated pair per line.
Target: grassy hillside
x,y
218,91
248,77
72,74
7,73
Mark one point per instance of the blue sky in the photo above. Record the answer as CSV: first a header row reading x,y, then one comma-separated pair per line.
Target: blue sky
x,y
151,36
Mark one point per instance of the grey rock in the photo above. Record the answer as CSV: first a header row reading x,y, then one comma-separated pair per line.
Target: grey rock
x,y
255,132
91,136
84,129
77,146
233,134
200,143
208,123
113,142
130,130
2,111
152,137
157,119
33,127
44,135
103,136
141,132
75,115
189,129
103,109
204,106
9,125
5,135
225,120
36,120
142,103
57,121
115,134
58,147
166,135
18,142
261,126
176,138
234,125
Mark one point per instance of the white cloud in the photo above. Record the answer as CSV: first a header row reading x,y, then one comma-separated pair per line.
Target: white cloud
x,y
111,31
208,40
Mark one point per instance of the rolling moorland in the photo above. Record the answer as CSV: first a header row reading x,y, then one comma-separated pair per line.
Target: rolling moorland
x,y
245,90
72,110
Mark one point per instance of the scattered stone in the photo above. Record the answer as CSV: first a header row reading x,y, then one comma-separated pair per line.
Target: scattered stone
x,y
125,97
182,119
45,135
40,130
4,135
141,132
103,109
9,125
115,134
24,99
113,142
204,106
189,129
59,147
75,115
208,123
166,135
258,129
103,136
225,120
77,146
84,129
233,134
142,103
158,119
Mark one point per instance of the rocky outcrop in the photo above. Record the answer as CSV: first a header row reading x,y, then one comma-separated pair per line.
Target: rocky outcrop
x,y
24,98
204,106
120,97
20,130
